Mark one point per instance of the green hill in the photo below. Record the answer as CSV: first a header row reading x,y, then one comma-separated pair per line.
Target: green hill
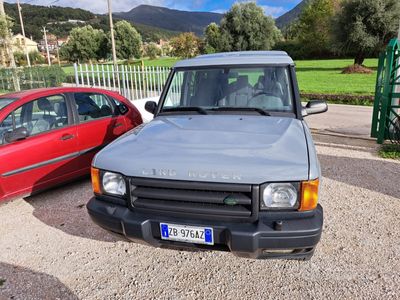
x,y
291,15
36,16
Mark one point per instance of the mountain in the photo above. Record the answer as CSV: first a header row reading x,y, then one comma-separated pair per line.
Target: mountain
x,y
171,19
291,15
36,16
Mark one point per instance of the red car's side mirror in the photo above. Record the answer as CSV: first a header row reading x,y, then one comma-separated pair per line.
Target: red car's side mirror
x,y
16,135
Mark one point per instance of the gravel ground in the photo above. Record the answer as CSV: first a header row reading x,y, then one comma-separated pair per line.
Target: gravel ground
x,y
50,249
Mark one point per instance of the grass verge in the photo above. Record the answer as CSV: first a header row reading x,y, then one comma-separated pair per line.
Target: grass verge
x,y
390,151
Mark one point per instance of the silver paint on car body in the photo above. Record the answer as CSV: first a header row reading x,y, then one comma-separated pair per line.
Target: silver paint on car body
x,y
212,148
314,168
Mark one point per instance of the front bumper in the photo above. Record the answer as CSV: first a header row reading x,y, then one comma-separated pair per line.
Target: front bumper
x,y
296,238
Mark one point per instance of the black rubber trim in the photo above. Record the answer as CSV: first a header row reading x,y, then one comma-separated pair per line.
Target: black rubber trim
x,y
52,161
41,164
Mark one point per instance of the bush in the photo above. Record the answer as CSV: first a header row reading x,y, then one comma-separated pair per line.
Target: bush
x,y
299,51
152,51
293,48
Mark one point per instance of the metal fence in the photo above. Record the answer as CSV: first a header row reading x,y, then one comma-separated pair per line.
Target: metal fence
x,y
15,79
133,82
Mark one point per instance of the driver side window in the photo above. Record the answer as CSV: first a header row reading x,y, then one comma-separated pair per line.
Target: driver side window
x,y
38,116
92,106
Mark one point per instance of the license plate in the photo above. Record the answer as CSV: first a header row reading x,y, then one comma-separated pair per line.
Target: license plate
x,y
187,234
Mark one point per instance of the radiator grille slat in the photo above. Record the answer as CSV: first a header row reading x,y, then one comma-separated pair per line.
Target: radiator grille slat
x,y
203,199
190,195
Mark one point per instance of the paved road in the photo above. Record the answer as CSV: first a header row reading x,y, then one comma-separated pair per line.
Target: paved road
x,y
50,249
344,119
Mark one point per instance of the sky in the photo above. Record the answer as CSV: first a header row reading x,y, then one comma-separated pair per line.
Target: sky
x,y
273,8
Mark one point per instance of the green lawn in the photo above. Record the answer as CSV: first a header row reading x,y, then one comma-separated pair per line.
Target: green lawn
x,y
324,77
314,76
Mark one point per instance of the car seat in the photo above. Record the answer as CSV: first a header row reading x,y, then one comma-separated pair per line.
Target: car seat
x,y
46,121
238,93
62,116
87,108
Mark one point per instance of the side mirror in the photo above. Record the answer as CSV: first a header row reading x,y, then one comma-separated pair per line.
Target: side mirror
x,y
314,107
16,135
122,109
151,107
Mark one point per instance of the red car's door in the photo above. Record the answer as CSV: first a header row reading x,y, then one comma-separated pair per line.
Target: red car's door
x,y
47,155
98,124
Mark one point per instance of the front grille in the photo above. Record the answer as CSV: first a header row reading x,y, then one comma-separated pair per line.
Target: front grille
x,y
205,200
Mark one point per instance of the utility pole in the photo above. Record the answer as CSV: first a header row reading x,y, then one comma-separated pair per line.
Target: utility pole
x,y
8,48
47,45
114,52
23,33
58,52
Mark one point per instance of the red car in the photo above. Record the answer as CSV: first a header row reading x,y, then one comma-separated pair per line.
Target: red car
x,y
49,136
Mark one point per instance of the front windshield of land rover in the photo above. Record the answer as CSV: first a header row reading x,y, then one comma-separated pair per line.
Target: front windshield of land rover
x,y
262,89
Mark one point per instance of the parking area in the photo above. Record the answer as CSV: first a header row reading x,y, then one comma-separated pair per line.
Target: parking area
x,y
50,249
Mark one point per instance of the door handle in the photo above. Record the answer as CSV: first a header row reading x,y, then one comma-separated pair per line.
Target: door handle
x,y
118,125
66,137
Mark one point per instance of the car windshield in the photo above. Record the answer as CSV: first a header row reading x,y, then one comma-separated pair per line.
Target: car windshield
x,y
5,101
255,89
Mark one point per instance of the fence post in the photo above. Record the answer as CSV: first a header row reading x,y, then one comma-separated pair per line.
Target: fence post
x,y
76,74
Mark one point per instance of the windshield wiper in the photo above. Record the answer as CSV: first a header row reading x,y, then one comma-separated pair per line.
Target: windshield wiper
x,y
200,110
230,108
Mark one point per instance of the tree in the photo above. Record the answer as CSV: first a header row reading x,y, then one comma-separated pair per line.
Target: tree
x,y
212,36
314,27
85,44
246,27
152,51
365,26
185,45
128,41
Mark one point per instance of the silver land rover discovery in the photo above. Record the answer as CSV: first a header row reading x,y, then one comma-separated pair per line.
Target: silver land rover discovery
x,y
227,163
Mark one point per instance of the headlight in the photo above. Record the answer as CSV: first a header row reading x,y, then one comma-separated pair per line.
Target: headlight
x,y
280,196
114,184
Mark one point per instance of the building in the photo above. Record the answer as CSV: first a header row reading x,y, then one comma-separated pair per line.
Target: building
x,y
51,42
19,41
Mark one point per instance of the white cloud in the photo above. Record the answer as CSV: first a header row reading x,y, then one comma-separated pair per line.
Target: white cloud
x,y
219,11
273,11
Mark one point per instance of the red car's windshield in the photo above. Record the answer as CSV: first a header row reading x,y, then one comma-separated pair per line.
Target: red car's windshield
x,y
5,101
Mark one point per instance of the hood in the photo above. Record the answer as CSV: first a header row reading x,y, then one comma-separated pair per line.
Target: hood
x,y
214,148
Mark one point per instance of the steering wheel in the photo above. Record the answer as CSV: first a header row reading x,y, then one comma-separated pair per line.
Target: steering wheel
x,y
254,98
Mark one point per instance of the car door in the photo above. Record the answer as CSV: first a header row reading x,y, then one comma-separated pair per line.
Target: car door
x,y
46,155
98,124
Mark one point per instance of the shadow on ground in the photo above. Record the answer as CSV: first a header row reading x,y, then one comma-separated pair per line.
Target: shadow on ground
x,y
21,283
64,208
381,176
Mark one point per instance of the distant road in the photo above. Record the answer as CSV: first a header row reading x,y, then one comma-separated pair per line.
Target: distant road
x,y
344,119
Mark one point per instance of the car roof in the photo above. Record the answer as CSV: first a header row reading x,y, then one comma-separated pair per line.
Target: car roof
x,y
238,58
41,91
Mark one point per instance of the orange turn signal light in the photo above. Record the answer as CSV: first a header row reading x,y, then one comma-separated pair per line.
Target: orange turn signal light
x,y
95,180
309,195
